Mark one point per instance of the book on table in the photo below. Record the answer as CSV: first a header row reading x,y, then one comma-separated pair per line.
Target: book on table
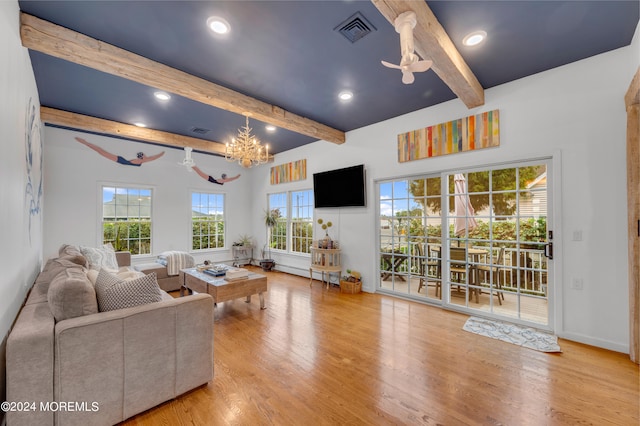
x,y
236,274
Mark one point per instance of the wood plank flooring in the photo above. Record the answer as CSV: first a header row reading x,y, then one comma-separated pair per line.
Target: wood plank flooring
x,y
319,357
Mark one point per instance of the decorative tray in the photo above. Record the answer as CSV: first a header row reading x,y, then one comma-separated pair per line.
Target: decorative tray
x,y
216,270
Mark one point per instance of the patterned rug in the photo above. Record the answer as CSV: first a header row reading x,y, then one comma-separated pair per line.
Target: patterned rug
x,y
511,333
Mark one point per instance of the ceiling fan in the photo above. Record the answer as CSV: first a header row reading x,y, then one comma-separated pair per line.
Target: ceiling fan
x,y
187,161
410,62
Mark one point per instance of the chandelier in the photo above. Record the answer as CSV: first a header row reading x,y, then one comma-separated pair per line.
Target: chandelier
x,y
246,149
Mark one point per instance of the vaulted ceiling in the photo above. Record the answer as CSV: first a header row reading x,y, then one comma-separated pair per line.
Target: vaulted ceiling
x,y
98,63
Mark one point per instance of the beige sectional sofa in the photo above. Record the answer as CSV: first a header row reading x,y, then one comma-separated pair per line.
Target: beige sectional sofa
x,y
165,281
100,368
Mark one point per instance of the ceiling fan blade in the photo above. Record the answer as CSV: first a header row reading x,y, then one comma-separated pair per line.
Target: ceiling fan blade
x,y
389,65
407,77
420,66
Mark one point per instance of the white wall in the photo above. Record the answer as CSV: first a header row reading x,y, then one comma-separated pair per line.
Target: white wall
x,y
21,231
574,114
74,174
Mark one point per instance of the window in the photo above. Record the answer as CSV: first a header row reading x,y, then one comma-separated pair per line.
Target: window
x,y
126,218
278,237
207,221
294,230
301,221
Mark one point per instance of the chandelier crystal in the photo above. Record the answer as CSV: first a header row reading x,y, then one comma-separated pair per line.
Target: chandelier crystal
x,y
246,149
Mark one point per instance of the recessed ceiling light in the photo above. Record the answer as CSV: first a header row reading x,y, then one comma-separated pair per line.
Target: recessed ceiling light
x,y
270,128
474,38
345,95
218,25
139,124
162,96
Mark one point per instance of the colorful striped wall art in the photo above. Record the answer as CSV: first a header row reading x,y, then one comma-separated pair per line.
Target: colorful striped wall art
x,y
289,172
465,134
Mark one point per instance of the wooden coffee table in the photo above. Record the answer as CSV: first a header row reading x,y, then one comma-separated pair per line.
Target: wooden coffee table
x,y
222,290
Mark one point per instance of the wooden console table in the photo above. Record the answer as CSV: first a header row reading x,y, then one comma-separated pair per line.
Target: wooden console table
x,y
325,260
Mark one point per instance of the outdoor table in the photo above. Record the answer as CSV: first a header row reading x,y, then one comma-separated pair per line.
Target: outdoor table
x,y
392,260
474,255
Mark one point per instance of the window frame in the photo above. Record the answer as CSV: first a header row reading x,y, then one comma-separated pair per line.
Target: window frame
x,y
288,221
101,218
521,290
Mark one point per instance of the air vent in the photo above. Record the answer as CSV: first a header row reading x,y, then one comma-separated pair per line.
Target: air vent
x,y
355,27
199,130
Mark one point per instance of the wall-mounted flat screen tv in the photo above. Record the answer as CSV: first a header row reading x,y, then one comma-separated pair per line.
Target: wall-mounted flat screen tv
x,y
340,188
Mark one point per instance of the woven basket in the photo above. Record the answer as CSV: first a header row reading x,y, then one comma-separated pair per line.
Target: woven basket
x,y
350,287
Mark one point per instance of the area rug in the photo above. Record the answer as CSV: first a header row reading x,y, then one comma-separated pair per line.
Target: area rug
x,y
518,335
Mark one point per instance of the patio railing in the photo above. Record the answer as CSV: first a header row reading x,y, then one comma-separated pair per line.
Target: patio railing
x,y
530,267
524,268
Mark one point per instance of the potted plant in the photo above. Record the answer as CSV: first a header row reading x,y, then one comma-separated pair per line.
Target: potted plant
x,y
270,221
244,241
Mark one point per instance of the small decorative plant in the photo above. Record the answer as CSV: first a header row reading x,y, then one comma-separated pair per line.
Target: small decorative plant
x,y
244,240
325,226
271,217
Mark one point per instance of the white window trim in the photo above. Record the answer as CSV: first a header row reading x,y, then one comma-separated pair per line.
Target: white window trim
x,y
99,233
289,208
190,222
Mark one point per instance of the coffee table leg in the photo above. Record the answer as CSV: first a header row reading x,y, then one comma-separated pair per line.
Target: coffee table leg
x,y
262,301
248,299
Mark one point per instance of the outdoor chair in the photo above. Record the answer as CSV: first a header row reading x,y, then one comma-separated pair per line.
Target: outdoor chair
x,y
428,267
494,270
459,270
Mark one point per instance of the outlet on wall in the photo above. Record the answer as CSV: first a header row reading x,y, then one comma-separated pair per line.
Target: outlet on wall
x,y
576,284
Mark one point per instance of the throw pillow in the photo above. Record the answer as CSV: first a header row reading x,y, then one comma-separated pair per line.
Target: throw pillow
x,y
92,274
98,258
53,267
71,295
114,293
73,254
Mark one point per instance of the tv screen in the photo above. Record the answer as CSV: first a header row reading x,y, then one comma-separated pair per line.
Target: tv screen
x,y
340,187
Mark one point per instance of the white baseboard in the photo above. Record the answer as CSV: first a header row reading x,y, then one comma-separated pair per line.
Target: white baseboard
x,y
591,341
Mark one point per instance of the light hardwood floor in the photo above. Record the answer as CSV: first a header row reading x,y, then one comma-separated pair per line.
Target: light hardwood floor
x,y
318,357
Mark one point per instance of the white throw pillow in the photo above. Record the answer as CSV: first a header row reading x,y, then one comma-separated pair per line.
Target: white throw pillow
x,y
103,257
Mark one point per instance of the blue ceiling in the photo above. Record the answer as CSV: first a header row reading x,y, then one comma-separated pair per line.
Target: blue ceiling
x,y
287,53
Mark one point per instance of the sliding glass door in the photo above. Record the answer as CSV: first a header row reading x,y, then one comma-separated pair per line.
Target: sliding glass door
x,y
409,218
471,240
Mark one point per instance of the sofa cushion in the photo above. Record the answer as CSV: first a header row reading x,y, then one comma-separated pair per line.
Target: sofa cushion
x,y
71,295
73,254
158,268
129,274
52,268
124,273
101,257
114,293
